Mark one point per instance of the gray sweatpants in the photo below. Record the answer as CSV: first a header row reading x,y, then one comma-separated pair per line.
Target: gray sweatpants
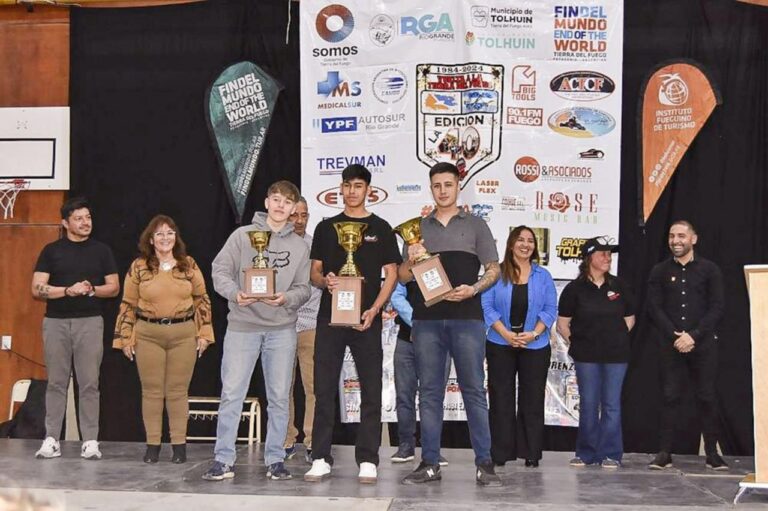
x,y
65,340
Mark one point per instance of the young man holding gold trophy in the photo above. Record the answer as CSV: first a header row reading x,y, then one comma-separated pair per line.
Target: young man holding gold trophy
x,y
349,253
448,318
263,271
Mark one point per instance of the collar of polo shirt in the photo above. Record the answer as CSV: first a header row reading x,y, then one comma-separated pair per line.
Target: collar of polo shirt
x,y
461,214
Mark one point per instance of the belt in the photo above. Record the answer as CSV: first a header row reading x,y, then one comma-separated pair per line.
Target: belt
x,y
165,321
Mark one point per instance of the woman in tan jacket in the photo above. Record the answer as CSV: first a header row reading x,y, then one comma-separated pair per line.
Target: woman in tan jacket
x,y
165,322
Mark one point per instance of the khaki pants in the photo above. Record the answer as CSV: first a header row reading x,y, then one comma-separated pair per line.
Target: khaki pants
x,y
305,352
165,357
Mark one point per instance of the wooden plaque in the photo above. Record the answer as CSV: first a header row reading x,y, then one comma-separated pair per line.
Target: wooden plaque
x,y
432,280
347,303
260,283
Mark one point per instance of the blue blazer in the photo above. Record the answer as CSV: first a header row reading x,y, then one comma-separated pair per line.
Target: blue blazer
x,y
542,306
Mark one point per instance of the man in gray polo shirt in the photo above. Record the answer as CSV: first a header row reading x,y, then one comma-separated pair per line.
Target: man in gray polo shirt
x,y
454,325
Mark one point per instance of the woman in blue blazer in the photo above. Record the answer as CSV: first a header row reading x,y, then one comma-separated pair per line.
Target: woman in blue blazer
x,y
519,311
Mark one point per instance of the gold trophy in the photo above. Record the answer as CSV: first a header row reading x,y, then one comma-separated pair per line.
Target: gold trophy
x,y
346,306
260,280
427,269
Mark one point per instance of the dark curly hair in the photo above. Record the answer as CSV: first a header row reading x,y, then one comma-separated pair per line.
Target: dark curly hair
x,y
147,250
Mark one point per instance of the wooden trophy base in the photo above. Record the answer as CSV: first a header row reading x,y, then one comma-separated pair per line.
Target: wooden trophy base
x,y
259,283
347,303
432,280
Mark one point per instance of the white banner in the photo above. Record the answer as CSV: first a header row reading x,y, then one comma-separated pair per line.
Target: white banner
x,y
523,96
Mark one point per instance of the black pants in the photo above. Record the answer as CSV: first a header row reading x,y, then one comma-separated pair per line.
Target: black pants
x,y
677,369
330,343
518,434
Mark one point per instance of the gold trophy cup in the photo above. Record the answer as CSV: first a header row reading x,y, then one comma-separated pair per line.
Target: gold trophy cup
x,y
346,306
260,279
427,269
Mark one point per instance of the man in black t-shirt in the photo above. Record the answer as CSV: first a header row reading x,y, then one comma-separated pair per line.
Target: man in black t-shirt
x,y
378,252
73,274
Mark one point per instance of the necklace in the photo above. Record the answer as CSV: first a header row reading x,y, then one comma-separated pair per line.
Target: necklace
x,y
166,266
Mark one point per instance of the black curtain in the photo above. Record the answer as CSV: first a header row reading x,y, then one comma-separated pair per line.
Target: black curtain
x,y
720,186
140,147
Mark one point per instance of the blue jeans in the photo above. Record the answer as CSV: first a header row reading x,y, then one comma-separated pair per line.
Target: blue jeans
x,y
599,434
406,385
464,340
241,352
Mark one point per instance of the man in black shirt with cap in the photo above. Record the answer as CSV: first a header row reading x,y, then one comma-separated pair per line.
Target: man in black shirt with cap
x,y
685,299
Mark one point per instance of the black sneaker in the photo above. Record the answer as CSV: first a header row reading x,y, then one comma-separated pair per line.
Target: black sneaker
x,y
290,452
278,472
308,456
424,473
715,462
486,476
403,455
661,461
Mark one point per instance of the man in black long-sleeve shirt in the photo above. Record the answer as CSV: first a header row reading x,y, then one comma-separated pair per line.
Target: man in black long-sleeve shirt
x,y
685,299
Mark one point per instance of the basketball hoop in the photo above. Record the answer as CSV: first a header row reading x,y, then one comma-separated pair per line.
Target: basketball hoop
x,y
8,192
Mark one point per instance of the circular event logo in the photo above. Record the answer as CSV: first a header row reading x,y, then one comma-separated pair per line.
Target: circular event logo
x,y
390,85
334,23
382,30
527,169
673,91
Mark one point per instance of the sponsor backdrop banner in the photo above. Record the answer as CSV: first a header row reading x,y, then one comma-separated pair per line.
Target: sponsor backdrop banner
x,y
678,98
524,97
238,108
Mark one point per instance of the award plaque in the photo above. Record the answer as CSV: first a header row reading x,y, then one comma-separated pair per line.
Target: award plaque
x,y
259,281
347,303
427,269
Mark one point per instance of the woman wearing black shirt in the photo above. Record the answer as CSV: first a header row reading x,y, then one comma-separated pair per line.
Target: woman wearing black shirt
x,y
596,313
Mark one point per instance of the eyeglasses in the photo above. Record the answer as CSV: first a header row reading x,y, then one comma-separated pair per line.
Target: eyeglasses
x,y
169,234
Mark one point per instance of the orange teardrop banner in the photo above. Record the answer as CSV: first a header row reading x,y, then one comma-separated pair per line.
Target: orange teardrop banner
x,y
678,98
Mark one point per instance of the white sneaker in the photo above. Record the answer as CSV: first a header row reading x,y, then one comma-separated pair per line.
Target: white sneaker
x,y
367,473
90,450
319,471
49,449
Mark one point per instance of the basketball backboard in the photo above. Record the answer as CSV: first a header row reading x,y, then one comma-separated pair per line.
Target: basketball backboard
x,y
34,146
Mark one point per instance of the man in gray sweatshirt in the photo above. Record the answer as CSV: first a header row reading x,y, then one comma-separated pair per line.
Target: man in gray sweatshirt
x,y
266,327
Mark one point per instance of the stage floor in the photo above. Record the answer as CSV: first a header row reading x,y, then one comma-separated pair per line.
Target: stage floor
x,y
121,482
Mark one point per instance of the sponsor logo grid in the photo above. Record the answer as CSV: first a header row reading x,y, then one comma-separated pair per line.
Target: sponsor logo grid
x,y
525,100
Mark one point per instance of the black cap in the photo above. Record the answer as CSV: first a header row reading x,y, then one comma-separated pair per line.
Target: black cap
x,y
593,245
